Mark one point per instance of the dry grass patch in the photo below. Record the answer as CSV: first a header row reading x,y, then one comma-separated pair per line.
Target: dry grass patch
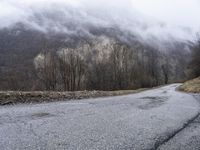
x,y
192,86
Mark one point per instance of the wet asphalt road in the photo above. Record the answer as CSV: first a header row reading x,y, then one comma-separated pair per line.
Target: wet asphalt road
x,y
188,138
137,122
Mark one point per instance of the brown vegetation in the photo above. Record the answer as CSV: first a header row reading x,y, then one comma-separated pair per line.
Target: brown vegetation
x,y
192,86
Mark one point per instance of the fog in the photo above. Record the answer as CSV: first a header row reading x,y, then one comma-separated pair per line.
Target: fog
x,y
161,19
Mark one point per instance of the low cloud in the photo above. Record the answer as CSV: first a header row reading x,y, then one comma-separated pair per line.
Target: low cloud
x,y
137,17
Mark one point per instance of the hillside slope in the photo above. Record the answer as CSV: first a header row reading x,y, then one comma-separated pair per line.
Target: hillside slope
x,y
192,86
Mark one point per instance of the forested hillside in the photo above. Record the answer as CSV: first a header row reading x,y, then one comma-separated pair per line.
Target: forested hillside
x,y
32,60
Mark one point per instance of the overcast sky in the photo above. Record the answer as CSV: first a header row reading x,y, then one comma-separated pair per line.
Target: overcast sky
x,y
174,14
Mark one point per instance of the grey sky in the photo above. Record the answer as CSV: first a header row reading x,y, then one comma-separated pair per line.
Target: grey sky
x,y
174,12
176,18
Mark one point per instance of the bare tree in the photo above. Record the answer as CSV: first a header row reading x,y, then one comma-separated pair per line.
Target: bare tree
x,y
72,69
46,66
166,71
195,62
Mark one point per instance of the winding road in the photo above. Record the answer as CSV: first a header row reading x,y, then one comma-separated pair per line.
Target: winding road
x,y
161,118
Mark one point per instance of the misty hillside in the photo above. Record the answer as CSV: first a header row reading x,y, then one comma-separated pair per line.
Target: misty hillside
x,y
19,47
84,46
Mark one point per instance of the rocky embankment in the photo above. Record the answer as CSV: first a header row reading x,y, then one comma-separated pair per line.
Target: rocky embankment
x,y
13,97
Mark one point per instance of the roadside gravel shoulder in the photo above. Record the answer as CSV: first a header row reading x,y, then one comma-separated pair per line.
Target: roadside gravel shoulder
x,y
18,97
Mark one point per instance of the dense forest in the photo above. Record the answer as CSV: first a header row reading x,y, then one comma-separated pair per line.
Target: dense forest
x,y
31,60
194,66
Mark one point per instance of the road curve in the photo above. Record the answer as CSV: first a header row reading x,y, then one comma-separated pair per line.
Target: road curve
x,y
136,122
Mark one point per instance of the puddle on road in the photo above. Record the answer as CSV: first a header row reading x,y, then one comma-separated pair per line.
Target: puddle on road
x,y
152,102
41,115
164,92
7,119
152,97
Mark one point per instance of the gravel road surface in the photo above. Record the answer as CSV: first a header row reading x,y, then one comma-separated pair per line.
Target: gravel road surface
x,y
142,121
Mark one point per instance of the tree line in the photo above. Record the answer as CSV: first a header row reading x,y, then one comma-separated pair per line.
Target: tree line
x,y
102,65
194,66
